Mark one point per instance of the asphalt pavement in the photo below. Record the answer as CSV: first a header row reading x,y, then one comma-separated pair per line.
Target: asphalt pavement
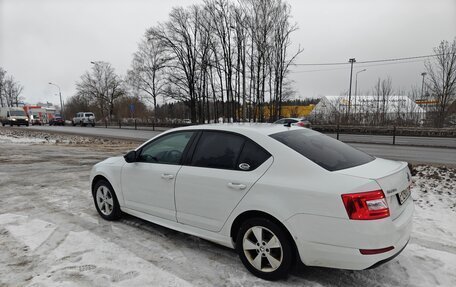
x,y
433,150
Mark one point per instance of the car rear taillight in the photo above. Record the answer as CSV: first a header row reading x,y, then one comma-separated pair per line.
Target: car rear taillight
x,y
300,124
366,205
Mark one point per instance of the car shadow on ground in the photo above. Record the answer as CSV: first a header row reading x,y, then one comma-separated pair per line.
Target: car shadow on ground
x,y
227,258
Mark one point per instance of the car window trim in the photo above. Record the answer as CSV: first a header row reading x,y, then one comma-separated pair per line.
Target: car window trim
x,y
184,153
216,131
246,138
254,142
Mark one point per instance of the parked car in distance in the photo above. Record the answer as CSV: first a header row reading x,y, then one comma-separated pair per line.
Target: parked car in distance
x,y
273,193
13,116
300,122
57,121
84,119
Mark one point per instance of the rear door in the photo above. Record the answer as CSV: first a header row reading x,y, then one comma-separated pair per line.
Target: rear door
x,y
223,168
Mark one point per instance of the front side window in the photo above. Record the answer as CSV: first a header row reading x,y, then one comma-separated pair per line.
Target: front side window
x,y
167,149
218,150
325,151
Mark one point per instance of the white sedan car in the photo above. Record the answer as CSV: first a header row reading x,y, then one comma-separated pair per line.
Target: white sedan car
x,y
273,193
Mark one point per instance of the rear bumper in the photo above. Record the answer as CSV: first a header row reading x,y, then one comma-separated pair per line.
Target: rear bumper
x,y
336,242
387,259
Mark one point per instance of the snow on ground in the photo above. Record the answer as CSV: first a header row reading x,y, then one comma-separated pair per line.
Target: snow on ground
x,y
51,235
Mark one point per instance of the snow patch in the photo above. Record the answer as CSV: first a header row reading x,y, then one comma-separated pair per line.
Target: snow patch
x,y
32,233
20,140
85,257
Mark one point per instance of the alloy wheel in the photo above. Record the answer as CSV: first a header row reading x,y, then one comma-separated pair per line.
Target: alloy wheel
x,y
104,199
262,248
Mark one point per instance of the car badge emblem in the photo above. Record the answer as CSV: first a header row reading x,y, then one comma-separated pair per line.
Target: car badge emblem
x,y
244,166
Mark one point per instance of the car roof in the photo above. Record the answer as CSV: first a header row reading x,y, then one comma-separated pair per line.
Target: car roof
x,y
244,128
298,119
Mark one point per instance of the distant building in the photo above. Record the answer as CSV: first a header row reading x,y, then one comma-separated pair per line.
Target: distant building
x,y
368,109
293,111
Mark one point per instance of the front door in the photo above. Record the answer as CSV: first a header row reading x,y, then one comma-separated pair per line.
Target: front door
x,y
148,183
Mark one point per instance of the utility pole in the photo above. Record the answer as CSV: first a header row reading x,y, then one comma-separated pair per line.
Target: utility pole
x,y
351,61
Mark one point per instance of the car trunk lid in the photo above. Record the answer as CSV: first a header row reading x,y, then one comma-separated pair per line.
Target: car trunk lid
x,y
393,177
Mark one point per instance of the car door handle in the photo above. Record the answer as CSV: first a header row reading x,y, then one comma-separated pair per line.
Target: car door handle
x,y
167,176
239,186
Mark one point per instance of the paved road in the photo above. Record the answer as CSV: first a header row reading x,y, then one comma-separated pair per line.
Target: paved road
x,y
411,154
414,154
124,133
400,140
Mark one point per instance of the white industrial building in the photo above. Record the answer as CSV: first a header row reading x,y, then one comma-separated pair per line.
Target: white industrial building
x,y
368,109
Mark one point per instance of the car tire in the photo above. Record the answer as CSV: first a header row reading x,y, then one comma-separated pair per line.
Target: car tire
x,y
93,125
265,249
73,123
106,201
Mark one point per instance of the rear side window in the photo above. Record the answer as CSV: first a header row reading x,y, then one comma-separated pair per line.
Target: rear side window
x,y
325,151
253,155
218,150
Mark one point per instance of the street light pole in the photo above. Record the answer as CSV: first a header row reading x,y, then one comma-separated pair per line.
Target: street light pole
x,y
356,85
351,61
423,74
60,94
422,84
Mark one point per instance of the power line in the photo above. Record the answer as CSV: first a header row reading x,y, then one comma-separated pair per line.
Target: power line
x,y
365,62
360,66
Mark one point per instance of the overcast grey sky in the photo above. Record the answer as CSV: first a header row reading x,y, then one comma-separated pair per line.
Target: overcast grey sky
x,y
55,40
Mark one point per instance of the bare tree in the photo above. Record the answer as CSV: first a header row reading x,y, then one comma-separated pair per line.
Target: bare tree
x,y
280,61
382,90
11,92
179,37
102,86
146,74
227,57
442,78
2,84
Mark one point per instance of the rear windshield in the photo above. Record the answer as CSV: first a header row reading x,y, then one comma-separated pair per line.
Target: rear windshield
x,y
89,115
325,151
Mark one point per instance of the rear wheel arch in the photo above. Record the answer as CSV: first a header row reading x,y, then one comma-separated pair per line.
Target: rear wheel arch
x,y
241,218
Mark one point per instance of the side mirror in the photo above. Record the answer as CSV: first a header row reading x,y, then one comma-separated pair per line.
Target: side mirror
x,y
130,156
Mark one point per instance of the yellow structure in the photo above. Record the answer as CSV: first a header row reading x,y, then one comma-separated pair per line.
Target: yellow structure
x,y
292,111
